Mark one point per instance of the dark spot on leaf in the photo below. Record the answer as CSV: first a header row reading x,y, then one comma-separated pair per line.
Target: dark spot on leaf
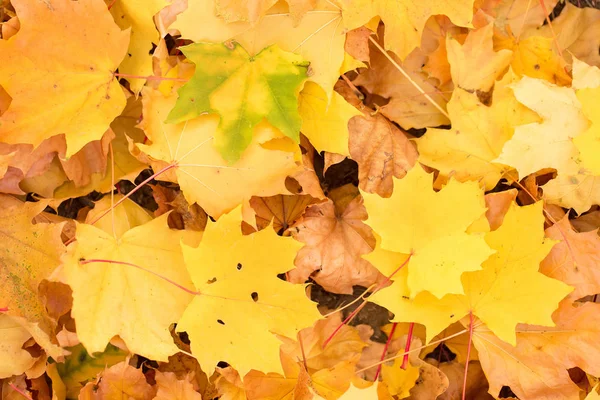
x,y
254,296
213,280
82,357
221,322
536,67
452,316
406,297
239,266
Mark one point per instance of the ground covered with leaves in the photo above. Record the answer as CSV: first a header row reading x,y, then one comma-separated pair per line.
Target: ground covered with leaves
x,y
303,199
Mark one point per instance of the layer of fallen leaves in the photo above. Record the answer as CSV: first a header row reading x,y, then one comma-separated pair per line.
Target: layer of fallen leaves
x,y
299,199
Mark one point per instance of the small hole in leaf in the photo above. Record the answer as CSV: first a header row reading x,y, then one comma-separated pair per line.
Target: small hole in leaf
x,y
506,392
254,296
239,266
222,364
221,322
213,280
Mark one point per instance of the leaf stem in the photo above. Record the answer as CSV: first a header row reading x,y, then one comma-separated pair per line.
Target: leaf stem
x,y
302,350
365,301
20,391
385,349
143,269
413,350
4,309
464,389
355,90
407,347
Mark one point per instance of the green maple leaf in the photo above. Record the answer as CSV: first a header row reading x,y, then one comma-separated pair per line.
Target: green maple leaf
x,y
242,89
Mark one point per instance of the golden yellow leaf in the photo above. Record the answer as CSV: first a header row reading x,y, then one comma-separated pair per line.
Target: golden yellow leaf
x,y
74,91
430,226
111,296
242,302
497,294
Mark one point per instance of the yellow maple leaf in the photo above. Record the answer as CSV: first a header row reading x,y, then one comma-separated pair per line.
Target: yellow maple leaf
x,y
320,32
74,91
498,293
548,144
404,20
477,137
325,123
241,301
430,226
113,297
205,177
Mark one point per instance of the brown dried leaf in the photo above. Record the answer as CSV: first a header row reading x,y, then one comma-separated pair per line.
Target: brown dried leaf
x,y
335,239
